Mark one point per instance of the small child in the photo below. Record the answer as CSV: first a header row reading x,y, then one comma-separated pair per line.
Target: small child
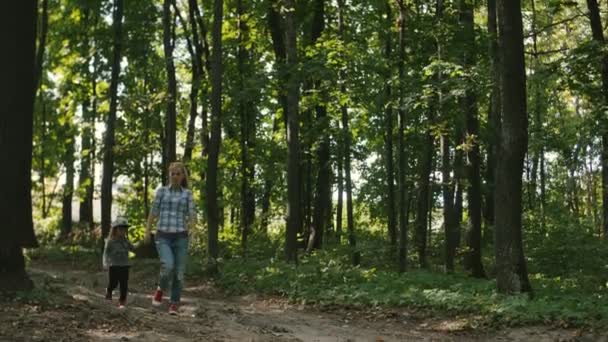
x,y
116,260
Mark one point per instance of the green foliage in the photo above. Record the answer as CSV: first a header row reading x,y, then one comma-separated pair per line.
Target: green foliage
x,y
327,278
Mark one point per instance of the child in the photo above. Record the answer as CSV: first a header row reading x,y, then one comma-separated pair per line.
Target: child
x,y
116,260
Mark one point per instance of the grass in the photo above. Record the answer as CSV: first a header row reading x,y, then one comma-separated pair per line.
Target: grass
x,y
567,271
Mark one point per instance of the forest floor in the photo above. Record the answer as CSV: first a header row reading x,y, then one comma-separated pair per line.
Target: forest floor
x,y
68,305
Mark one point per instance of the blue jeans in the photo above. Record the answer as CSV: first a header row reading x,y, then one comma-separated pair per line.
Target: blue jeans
x,y
173,253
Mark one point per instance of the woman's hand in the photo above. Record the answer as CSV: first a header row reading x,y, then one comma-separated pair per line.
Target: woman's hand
x,y
148,234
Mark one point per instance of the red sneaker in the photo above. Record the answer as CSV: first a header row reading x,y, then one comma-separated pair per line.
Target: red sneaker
x,y
157,300
122,304
173,309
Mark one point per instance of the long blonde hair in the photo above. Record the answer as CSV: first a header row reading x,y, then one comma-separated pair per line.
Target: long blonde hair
x,y
179,166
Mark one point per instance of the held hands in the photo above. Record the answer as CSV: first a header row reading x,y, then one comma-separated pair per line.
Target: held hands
x,y
147,236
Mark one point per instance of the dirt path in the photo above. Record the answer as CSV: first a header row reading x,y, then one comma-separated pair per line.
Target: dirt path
x,y
77,311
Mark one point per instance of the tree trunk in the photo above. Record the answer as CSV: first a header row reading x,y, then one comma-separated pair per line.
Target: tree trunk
x,y
268,185
68,188
449,212
42,154
213,220
195,48
403,162
17,91
109,139
38,66
472,122
170,118
598,36
511,271
276,28
539,157
294,221
85,177
493,116
350,219
425,165
323,186
44,29
247,116
204,112
389,136
340,205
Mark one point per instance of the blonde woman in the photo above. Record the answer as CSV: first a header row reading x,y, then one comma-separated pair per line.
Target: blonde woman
x,y
173,214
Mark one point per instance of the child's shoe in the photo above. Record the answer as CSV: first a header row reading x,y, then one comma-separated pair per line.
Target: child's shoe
x,y
122,304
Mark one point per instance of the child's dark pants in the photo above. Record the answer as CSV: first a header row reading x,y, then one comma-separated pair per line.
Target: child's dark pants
x,y
119,275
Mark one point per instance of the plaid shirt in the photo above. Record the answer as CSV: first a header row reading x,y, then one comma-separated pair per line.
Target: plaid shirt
x,y
174,208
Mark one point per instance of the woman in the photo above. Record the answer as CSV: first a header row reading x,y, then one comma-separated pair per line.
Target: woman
x,y
174,214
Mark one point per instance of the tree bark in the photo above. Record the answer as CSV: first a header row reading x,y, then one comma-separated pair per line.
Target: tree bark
x,y
109,138
389,137
493,115
323,186
294,221
85,177
17,92
213,219
511,271
276,28
44,29
340,205
539,157
403,162
170,115
195,48
68,188
472,122
598,37
350,219
247,115
425,165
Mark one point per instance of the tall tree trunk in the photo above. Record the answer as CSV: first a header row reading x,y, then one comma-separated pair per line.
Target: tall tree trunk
x,y
85,177
323,186
425,165
350,219
493,116
68,188
511,271
474,262
247,114
389,137
450,225
195,48
276,28
213,220
449,210
598,36
38,66
268,185
403,162
42,157
41,48
539,157
17,91
340,205
170,115
294,221
204,111
109,139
